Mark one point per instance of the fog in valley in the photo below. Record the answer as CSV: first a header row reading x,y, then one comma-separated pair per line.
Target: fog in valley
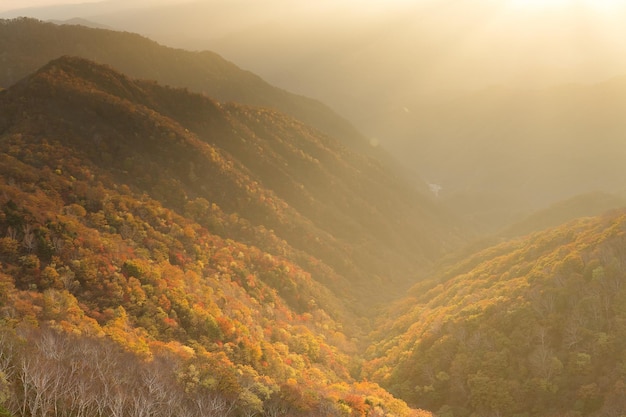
x,y
505,106
333,208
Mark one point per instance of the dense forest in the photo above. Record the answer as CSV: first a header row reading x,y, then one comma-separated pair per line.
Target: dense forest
x,y
133,213
531,327
163,252
259,167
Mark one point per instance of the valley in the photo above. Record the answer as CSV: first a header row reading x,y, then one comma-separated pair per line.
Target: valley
x,y
180,237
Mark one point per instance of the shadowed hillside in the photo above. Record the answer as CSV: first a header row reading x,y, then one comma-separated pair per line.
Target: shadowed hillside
x,y
28,44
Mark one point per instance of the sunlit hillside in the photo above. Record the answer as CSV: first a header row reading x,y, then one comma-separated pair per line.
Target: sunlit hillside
x,y
151,224
332,208
534,327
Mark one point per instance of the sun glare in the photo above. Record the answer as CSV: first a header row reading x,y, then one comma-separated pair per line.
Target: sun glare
x,y
536,4
552,4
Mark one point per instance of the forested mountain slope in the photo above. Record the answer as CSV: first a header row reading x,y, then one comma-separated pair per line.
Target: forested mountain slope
x,y
534,326
223,252
270,170
28,44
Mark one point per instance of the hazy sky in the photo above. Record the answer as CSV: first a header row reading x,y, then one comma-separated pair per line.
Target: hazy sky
x,y
6,5
390,46
19,4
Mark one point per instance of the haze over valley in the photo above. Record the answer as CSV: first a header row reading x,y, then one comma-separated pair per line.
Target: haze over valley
x,y
333,208
411,75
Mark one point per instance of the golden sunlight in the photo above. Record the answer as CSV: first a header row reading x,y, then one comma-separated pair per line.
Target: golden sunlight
x,y
551,4
536,4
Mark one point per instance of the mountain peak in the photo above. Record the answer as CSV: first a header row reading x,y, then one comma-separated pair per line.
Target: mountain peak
x,y
29,44
261,165
73,72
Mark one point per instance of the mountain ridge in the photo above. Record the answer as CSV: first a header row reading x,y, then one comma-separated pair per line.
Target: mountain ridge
x,y
141,214
129,234
204,72
395,227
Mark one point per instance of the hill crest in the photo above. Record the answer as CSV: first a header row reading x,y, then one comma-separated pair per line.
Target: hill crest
x,y
151,238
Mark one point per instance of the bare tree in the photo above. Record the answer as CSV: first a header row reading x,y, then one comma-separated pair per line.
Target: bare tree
x,y
28,239
8,370
37,379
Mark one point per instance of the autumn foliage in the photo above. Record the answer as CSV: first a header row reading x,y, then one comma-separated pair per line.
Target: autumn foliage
x,y
162,253
534,326
145,269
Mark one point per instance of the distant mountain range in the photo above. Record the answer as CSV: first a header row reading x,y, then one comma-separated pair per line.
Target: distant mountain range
x,y
497,154
77,21
584,205
27,44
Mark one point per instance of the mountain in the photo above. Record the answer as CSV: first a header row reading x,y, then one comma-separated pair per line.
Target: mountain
x,y
533,326
317,195
401,72
583,205
370,62
230,255
77,21
28,44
